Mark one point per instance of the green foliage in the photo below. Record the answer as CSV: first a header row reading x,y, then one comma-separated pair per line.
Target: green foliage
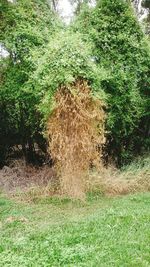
x,y
62,63
25,26
121,48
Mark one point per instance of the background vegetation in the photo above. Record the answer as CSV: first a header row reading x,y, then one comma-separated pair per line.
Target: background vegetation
x,y
26,26
104,44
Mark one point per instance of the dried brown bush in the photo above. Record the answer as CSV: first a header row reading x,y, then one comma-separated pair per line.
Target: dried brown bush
x,y
75,132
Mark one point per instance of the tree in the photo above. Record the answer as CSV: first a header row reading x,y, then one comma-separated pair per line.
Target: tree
x,y
26,26
72,105
121,48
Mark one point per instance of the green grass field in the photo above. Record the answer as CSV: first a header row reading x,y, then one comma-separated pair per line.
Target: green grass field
x,y
52,232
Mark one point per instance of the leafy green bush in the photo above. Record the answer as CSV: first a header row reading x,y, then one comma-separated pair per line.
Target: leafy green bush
x,y
61,64
121,48
25,26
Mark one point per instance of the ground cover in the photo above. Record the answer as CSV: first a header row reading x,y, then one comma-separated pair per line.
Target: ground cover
x,y
102,231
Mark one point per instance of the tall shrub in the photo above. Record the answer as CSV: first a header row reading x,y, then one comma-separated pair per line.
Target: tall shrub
x,y
122,49
26,26
72,106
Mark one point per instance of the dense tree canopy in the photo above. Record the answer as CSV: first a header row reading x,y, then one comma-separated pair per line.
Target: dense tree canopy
x,y
74,61
26,26
120,47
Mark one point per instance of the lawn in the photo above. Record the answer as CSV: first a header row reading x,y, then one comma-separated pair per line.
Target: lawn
x,y
102,232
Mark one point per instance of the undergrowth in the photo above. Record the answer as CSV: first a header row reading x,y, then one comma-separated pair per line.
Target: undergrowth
x,y
108,181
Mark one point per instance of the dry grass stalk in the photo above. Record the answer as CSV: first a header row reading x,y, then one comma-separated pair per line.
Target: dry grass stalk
x,y
75,133
114,182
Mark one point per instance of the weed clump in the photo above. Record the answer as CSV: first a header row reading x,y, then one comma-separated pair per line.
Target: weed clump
x,y
75,133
